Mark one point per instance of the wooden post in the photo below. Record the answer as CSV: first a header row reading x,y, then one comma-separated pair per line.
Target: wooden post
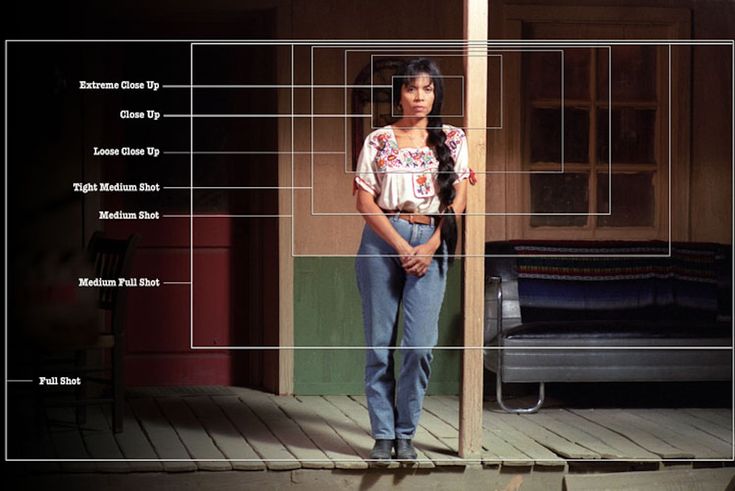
x,y
286,337
473,289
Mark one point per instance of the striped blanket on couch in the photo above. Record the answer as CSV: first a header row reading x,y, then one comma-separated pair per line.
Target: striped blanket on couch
x,y
606,280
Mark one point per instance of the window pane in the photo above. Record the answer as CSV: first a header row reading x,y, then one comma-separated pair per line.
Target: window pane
x,y
543,73
633,135
632,200
559,193
633,73
546,135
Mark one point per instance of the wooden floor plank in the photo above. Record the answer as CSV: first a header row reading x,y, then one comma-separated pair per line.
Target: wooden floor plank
x,y
437,422
718,416
514,449
451,402
574,433
448,413
447,407
100,443
226,437
525,423
354,435
323,435
275,456
610,418
495,450
162,436
45,448
439,451
681,435
620,446
133,443
357,413
285,429
660,430
714,430
38,444
193,435
541,455
67,440
667,480
262,431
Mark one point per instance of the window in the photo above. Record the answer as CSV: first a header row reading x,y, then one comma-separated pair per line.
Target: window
x,y
596,128
616,174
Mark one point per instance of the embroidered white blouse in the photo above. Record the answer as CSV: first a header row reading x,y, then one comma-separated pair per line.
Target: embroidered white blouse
x,y
405,178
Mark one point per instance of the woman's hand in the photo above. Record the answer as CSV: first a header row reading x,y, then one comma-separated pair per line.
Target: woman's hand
x,y
405,250
418,263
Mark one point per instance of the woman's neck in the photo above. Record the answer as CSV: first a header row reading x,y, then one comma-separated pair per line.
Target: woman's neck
x,y
412,123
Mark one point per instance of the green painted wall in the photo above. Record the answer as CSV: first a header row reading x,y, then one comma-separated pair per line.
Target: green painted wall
x,y
327,312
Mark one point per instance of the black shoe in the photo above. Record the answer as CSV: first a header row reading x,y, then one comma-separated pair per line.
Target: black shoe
x,y
404,449
382,450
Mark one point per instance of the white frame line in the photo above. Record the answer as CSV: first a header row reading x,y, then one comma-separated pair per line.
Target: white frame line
x,y
293,43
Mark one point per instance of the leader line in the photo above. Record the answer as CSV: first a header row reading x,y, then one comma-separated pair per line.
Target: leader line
x,y
267,115
275,86
244,152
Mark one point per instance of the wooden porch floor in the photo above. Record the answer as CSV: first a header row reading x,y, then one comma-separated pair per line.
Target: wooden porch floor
x,y
232,428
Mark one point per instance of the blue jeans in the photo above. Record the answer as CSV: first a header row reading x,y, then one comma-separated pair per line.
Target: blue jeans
x,y
383,284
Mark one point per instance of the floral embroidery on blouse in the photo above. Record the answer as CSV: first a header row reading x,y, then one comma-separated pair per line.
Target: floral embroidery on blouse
x,y
423,185
411,157
405,178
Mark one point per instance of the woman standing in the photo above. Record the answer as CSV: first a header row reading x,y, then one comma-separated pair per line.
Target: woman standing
x,y
410,182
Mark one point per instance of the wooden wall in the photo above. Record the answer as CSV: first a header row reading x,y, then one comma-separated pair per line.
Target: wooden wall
x,y
709,180
710,175
326,306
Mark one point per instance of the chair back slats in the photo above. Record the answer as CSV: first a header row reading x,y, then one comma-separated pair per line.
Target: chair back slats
x,y
112,260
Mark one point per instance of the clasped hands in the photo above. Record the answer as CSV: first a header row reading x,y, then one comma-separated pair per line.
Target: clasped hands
x,y
416,260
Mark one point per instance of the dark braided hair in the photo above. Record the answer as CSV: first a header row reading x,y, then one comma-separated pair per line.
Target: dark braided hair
x,y
437,141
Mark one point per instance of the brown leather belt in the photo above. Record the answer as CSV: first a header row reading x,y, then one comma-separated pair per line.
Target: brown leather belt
x,y
412,217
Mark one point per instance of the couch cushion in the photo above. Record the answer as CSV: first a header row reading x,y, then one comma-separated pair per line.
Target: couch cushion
x,y
619,329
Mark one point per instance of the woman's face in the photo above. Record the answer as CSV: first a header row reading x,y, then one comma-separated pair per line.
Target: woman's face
x,y
417,96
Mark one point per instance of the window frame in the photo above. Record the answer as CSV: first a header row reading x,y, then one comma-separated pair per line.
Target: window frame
x,y
675,23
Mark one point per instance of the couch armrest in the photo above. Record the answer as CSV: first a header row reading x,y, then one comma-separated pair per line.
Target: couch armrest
x,y
493,310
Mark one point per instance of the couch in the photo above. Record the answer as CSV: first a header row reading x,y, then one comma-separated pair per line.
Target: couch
x,y
606,311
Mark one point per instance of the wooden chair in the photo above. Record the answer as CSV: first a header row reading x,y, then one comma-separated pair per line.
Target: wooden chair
x,y
112,259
